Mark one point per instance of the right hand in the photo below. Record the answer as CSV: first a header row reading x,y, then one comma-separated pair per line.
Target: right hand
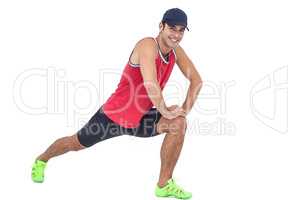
x,y
173,112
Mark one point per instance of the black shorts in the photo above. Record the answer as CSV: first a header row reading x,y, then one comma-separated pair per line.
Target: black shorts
x,y
100,128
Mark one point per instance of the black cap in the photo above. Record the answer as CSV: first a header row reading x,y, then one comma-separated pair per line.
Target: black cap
x,y
175,16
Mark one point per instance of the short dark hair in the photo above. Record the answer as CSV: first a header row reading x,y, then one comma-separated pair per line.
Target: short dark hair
x,y
164,24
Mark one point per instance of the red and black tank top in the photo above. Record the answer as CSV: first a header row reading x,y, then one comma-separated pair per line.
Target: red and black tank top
x,y
130,101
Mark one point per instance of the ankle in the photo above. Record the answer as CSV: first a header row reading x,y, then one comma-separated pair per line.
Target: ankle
x,y
42,159
163,182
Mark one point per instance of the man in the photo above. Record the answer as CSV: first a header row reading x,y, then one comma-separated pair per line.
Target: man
x,y
129,110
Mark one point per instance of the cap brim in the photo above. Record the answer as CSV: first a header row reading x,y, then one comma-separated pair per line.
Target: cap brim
x,y
177,23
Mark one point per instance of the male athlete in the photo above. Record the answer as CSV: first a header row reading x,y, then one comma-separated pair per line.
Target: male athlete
x,y
137,106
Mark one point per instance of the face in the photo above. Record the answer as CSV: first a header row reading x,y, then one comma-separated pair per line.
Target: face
x,y
171,35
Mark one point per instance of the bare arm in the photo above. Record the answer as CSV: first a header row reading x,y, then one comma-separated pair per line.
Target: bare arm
x,y
190,72
147,52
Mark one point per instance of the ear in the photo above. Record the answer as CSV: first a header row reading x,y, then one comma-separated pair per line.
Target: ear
x,y
161,27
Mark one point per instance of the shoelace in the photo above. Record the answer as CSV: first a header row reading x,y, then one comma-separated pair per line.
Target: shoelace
x,y
35,170
179,190
175,188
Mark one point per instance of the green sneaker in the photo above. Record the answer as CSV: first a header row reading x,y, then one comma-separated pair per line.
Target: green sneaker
x,y
37,173
171,189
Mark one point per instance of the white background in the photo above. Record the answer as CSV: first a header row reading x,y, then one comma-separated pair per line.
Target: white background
x,y
238,145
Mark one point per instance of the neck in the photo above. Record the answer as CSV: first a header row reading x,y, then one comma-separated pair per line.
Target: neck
x,y
163,47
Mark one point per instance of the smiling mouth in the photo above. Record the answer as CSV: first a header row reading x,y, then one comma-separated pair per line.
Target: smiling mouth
x,y
173,40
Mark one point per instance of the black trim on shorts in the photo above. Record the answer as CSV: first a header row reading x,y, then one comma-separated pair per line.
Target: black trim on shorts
x,y
100,128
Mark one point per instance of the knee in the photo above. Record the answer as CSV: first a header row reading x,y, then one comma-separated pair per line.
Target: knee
x,y
178,125
73,143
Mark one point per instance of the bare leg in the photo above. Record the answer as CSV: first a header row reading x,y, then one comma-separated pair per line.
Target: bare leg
x,y
170,152
61,146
